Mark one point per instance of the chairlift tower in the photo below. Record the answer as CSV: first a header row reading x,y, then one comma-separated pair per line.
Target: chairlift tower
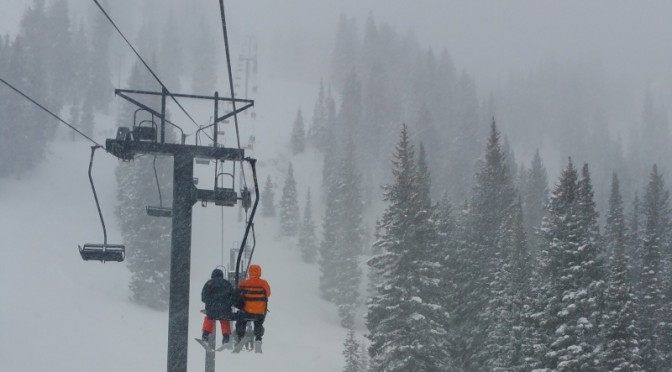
x,y
149,138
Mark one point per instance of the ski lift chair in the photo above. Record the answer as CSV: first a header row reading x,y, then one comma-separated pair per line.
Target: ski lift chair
x,y
143,132
225,196
101,252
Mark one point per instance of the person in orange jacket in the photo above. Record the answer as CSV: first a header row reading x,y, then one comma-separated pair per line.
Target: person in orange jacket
x,y
254,293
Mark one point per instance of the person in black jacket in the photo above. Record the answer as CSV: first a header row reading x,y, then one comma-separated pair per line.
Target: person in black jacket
x,y
217,294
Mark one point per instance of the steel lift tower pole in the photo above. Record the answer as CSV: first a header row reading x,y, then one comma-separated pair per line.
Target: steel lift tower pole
x,y
143,140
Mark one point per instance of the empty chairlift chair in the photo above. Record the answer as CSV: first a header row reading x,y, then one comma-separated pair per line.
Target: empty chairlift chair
x,y
101,252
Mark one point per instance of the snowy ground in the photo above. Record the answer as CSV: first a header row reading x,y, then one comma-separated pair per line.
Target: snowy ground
x,y
59,313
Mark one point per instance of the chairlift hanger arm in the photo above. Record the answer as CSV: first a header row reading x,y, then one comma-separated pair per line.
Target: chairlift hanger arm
x,y
250,222
95,195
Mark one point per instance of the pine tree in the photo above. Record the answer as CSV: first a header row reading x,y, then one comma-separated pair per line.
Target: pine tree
x,y
491,206
351,350
267,199
171,56
88,121
307,238
509,329
147,239
343,238
346,49
633,240
204,75
593,266
317,129
289,206
99,86
298,140
651,294
535,197
406,321
60,52
574,278
621,349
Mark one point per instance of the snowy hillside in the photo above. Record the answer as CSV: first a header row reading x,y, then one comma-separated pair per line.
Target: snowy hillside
x,y
62,314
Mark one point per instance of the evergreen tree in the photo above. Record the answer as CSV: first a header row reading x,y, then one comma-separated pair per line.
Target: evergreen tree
x,y
351,350
289,206
26,130
406,321
508,329
79,79
535,197
343,238
88,121
60,52
267,199
330,147
633,240
147,239
204,76
490,208
574,279
346,49
651,294
298,140
316,132
621,348
307,238
99,80
171,56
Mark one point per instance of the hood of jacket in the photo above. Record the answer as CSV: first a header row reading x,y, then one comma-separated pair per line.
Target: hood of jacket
x,y
254,271
217,273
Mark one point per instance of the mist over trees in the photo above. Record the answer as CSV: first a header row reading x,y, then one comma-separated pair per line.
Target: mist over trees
x,y
525,273
523,228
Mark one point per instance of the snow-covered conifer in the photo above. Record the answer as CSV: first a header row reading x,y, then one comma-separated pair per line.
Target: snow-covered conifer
x,y
267,199
535,197
298,139
490,208
289,206
574,276
351,352
406,320
651,293
621,339
307,239
342,239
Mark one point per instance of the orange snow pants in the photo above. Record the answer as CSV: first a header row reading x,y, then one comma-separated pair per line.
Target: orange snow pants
x,y
209,325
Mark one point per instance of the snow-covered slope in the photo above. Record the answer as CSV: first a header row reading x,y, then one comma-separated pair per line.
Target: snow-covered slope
x,y
59,313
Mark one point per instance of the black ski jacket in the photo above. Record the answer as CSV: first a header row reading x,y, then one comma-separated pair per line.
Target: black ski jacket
x,y
217,294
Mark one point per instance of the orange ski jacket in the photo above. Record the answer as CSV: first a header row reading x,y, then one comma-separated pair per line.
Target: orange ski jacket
x,y
255,292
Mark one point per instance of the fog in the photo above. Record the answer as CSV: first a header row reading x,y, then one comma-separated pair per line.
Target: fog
x,y
546,86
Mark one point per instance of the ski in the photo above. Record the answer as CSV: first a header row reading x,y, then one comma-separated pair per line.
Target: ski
x,y
205,345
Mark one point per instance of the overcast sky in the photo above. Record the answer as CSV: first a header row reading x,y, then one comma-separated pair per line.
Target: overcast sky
x,y
492,39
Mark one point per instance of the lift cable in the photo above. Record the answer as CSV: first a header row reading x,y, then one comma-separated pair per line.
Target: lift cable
x,y
49,112
228,67
146,65
233,96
